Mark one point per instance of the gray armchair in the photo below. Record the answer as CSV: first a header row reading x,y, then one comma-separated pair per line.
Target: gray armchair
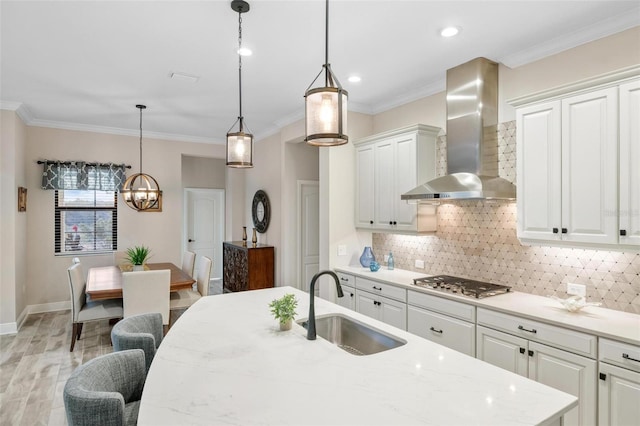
x,y
139,332
106,390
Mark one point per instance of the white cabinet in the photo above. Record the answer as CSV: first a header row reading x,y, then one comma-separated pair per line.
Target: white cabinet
x,y
388,165
382,301
347,282
629,161
449,323
567,164
516,344
577,157
619,384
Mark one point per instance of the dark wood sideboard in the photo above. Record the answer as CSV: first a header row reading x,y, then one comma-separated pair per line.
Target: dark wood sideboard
x,y
247,267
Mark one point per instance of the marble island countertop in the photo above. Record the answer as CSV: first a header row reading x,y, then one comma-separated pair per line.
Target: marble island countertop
x,y
602,322
226,362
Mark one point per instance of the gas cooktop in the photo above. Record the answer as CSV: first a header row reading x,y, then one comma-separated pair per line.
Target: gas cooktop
x,y
462,286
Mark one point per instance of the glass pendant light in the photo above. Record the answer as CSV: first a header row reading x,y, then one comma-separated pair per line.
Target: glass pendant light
x,y
239,144
326,107
141,191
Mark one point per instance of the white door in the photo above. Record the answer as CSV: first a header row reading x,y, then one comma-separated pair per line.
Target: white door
x,y
365,188
204,225
384,184
367,305
405,180
393,313
309,232
618,397
629,160
502,350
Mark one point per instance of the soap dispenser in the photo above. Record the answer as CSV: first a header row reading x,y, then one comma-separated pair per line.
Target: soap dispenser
x,y
390,263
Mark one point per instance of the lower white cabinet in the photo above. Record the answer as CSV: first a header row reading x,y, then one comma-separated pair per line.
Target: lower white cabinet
x,y
559,369
619,384
349,298
382,308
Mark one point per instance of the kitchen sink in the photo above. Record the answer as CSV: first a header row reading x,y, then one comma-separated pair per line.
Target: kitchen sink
x,y
353,336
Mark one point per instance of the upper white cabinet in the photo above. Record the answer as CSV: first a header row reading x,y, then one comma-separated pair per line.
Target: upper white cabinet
x,y
577,156
388,165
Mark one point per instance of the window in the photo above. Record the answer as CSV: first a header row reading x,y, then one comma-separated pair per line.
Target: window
x,y
86,221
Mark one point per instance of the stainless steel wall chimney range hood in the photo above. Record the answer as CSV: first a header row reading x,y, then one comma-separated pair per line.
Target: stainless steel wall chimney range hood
x,y
472,138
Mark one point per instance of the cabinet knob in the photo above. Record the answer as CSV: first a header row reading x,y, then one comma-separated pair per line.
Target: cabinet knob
x,y
522,350
603,376
564,230
623,232
555,230
390,223
192,241
395,223
370,222
530,352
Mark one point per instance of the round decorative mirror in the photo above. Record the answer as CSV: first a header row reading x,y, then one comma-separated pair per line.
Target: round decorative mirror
x,y
261,211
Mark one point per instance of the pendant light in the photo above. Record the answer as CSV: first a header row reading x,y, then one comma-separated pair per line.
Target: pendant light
x,y
239,144
326,107
141,191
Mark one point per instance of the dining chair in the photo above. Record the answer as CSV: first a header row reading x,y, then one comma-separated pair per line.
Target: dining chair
x,y
143,331
145,292
184,298
85,311
75,260
188,262
106,390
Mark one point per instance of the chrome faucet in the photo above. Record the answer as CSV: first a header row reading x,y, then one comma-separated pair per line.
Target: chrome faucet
x,y
311,321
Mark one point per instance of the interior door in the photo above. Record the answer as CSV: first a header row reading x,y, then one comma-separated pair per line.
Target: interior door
x,y
309,244
204,226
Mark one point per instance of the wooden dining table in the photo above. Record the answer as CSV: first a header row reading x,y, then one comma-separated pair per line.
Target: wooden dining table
x,y
106,282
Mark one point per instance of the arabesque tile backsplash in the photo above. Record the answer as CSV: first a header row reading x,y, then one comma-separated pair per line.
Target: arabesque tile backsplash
x,y
478,240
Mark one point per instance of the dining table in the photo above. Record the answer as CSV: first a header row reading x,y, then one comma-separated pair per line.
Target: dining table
x,y
106,282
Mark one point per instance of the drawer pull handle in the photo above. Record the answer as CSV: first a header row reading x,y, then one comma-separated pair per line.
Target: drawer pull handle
x,y
375,302
626,356
436,330
522,350
377,288
344,279
533,330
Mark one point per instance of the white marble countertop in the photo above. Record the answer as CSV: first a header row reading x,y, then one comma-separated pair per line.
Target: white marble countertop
x,y
601,322
226,362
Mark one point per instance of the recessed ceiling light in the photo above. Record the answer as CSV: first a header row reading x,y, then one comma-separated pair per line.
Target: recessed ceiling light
x,y
244,51
354,79
449,31
184,77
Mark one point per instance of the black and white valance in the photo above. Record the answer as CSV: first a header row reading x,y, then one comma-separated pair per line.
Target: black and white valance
x,y
81,175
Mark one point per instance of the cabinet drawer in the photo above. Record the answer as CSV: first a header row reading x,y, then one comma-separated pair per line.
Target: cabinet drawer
x,y
450,332
381,289
444,306
572,341
346,279
621,354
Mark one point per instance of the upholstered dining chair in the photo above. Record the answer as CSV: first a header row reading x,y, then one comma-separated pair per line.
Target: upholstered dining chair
x,y
85,311
145,292
139,332
188,262
106,390
185,298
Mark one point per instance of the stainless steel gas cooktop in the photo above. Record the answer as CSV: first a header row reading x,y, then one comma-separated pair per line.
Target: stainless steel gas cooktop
x,y
462,286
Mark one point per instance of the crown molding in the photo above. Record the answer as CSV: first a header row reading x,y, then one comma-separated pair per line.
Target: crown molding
x,y
422,92
19,108
581,36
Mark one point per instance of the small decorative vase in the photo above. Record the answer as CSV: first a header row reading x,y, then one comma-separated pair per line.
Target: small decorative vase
x,y
284,326
367,257
254,238
138,268
244,235
374,266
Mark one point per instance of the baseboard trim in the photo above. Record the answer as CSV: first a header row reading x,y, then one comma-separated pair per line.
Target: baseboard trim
x,y
13,327
8,328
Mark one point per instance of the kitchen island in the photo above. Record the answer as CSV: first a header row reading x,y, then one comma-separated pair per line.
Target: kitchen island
x,y
226,362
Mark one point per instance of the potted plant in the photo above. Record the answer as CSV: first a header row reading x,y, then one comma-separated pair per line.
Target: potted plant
x,y
284,310
137,256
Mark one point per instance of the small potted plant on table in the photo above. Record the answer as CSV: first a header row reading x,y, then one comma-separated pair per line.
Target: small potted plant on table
x,y
284,310
137,256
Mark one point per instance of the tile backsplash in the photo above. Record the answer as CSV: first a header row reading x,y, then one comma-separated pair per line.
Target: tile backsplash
x,y
478,240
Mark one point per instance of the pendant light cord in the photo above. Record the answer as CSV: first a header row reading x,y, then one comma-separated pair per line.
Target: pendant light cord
x,y
140,139
240,67
326,44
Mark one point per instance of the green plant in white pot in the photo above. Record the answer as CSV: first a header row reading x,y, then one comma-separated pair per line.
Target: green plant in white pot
x,y
284,310
137,256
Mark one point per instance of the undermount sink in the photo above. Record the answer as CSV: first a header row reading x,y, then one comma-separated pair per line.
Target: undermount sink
x,y
353,336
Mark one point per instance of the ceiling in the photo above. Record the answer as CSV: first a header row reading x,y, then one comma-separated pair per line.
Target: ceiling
x,y
86,64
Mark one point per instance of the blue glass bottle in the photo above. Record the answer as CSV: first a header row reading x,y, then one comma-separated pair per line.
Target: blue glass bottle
x,y
390,262
367,257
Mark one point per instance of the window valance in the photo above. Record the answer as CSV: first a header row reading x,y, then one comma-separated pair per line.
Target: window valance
x,y
82,175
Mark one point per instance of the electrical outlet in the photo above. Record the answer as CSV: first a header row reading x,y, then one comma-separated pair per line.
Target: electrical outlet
x,y
342,250
577,289
386,258
419,264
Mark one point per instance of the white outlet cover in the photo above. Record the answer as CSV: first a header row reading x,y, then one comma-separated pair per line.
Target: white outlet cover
x,y
419,264
577,289
386,257
342,250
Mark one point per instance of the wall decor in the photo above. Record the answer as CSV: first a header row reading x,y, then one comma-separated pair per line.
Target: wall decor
x,y
22,199
261,211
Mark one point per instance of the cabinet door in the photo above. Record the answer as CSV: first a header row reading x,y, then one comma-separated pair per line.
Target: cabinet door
x,y
590,167
538,159
365,188
367,304
349,299
629,161
393,313
618,396
442,329
405,180
384,184
502,350
570,373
